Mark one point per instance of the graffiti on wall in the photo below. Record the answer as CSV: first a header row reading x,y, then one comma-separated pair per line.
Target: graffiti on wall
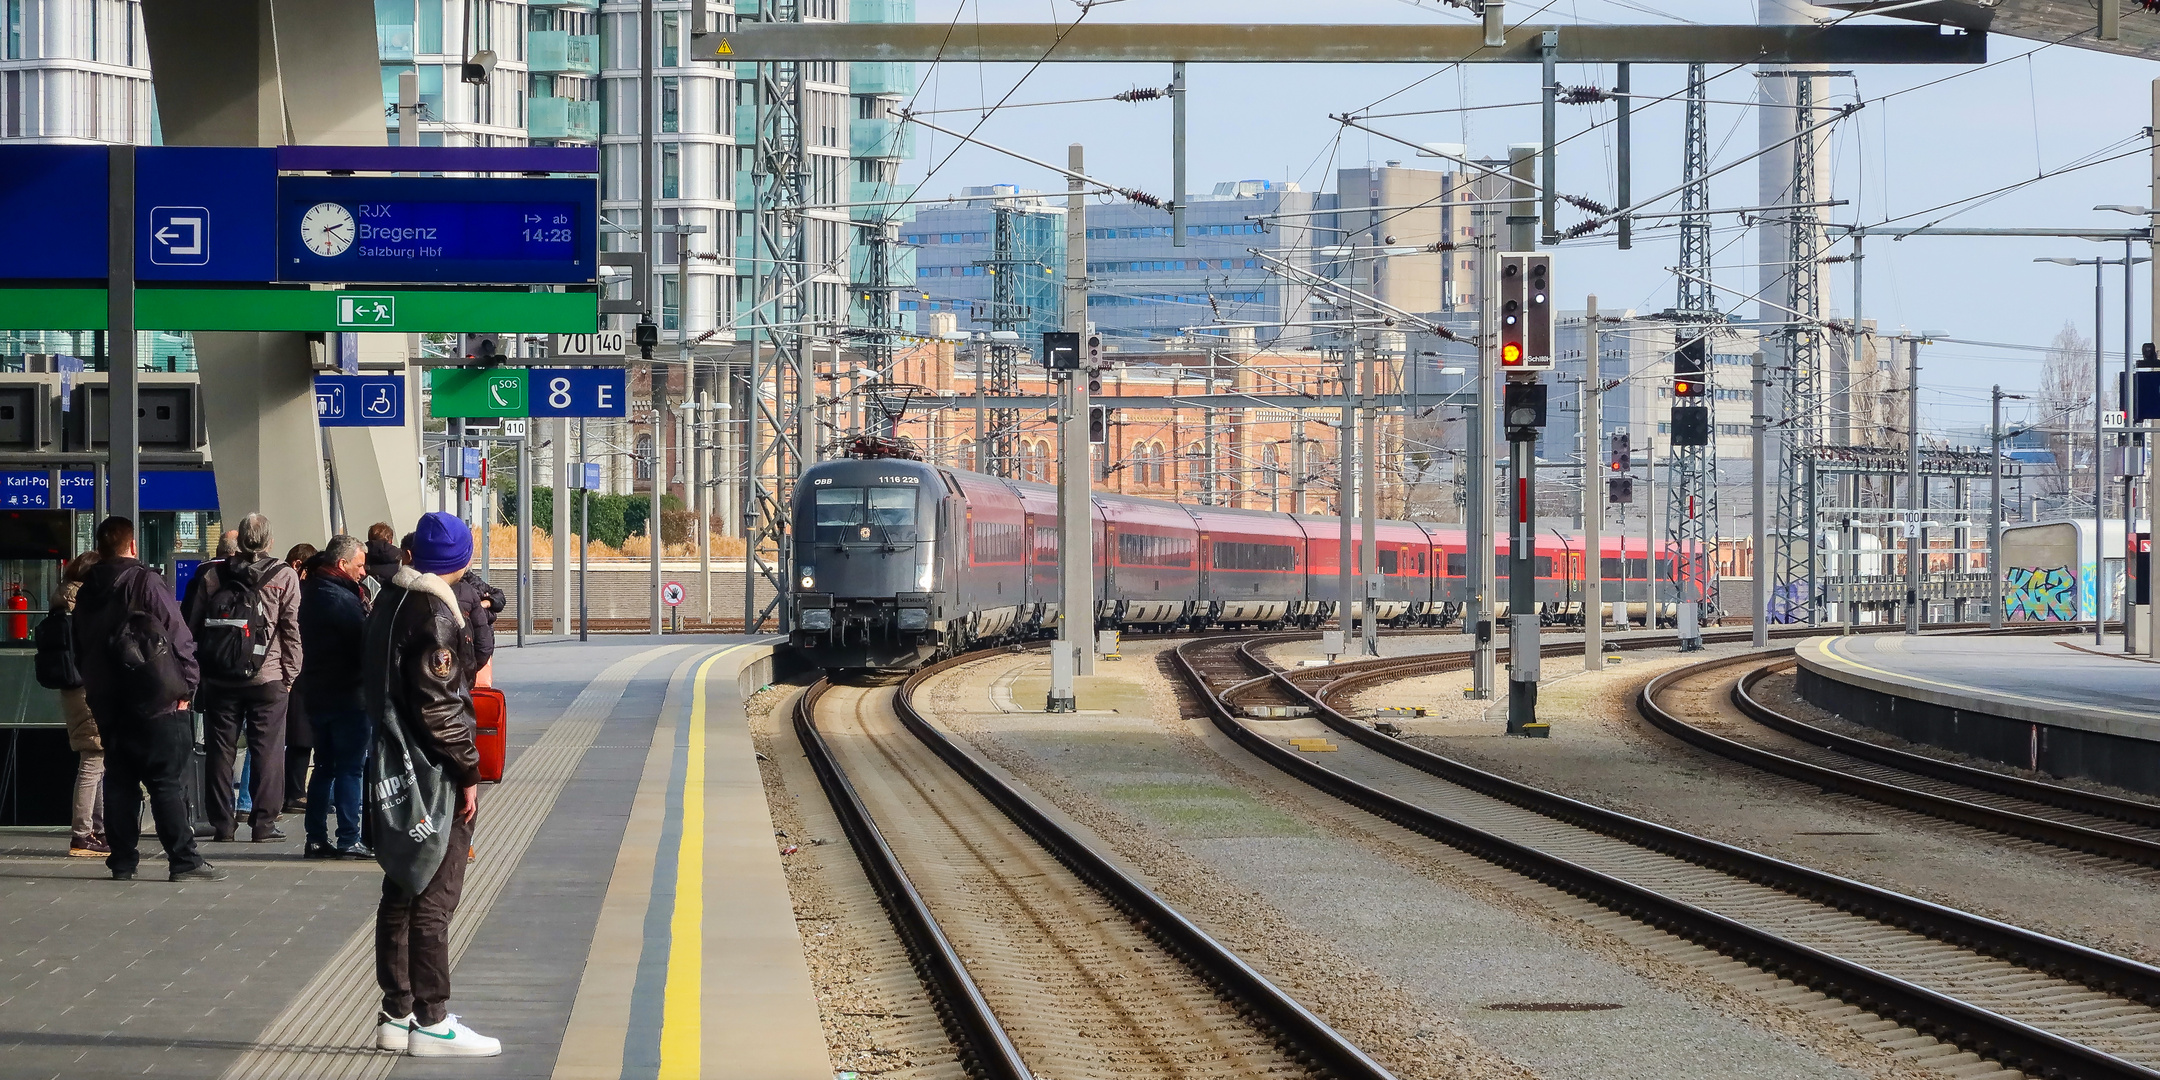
x,y
2031,592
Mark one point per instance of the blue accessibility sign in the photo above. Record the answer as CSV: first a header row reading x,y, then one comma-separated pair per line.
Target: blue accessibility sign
x,y
360,400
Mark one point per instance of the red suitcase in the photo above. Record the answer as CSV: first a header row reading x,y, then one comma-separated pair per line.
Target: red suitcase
x,y
491,731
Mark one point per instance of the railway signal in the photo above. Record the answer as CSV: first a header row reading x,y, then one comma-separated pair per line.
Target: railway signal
x,y
1623,455
1526,312
1691,371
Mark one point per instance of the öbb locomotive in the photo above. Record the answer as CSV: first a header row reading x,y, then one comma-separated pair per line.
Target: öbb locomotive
x,y
898,562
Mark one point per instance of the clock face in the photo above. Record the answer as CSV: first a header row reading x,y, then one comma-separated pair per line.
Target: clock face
x,y
326,229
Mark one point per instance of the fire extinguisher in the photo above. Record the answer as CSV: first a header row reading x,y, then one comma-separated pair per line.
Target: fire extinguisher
x,y
18,606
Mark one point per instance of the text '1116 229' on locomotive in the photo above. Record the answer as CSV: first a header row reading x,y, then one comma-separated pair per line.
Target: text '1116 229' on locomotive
x,y
898,562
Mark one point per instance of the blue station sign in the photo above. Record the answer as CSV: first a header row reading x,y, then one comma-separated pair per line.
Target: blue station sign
x,y
431,229
360,401
228,214
164,489
577,392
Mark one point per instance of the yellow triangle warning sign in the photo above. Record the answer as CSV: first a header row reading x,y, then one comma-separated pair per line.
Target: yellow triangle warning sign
x,y
725,49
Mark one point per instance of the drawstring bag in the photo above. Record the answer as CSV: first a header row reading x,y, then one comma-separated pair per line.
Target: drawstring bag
x,y
410,800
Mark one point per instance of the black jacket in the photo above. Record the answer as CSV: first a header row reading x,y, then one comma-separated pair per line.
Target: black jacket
x,y
333,636
479,618
383,560
416,671
114,589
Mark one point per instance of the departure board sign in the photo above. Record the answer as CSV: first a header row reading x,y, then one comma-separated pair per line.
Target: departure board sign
x,y
388,230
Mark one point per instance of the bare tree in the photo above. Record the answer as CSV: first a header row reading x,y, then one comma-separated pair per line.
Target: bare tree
x,y
2066,396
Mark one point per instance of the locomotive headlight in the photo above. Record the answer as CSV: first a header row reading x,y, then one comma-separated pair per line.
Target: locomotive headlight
x,y
914,619
809,577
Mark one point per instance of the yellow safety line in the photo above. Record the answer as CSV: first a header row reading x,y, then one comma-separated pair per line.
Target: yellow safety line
x,y
1829,648
682,1017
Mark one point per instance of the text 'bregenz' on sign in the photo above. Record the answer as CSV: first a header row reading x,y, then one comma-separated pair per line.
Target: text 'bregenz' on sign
x,y
429,229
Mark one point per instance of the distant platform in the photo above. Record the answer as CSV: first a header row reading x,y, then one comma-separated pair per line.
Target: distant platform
x,y
2057,705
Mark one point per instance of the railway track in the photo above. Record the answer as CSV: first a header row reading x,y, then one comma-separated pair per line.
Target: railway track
x,y
1043,957
2096,825
1996,991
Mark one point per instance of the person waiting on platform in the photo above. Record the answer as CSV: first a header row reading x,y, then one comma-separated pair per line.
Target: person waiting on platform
x,y
423,788
245,613
333,636
138,665
383,557
299,729
88,820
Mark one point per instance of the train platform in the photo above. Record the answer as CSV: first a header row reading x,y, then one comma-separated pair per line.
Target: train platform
x,y
626,914
2063,706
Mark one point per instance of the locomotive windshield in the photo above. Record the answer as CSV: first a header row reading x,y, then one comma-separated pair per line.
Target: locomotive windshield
x,y
875,515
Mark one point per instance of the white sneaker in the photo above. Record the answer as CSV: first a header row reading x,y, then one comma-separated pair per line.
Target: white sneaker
x,y
392,1032
451,1039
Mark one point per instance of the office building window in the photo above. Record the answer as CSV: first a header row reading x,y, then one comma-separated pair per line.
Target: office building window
x,y
671,170
427,26
670,104
670,39
670,302
644,457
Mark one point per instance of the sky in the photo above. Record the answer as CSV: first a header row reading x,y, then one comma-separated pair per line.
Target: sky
x,y
1925,136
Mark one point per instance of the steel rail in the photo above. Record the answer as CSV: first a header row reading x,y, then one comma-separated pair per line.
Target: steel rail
x,y
968,1018
1302,1034
1994,819
1961,1023
2056,795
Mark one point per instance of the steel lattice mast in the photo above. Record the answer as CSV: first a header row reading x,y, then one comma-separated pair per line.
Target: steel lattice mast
x,y
778,431
1691,511
1794,575
1006,313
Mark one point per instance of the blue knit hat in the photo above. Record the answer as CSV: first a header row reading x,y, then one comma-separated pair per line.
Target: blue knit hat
x,y
442,544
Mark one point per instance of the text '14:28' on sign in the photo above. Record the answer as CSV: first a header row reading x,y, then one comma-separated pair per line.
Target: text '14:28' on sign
x,y
427,229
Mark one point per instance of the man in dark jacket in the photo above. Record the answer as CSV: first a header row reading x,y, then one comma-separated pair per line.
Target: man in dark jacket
x,y
146,745
333,633
478,601
416,684
383,556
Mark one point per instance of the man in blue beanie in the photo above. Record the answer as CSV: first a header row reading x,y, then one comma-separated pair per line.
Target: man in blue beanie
x,y
423,789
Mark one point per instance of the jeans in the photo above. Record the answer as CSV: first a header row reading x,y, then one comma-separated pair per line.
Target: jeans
x,y
343,739
89,815
149,754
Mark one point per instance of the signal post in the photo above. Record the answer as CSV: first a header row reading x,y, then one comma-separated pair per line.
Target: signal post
x,y
1526,351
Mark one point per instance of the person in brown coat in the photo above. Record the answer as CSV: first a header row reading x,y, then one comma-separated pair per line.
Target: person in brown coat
x,y
240,704
88,841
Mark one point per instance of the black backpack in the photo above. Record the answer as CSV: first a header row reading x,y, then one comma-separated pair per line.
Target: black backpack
x,y
55,640
142,656
232,635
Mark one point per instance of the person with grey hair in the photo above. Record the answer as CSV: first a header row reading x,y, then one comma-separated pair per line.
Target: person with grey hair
x,y
244,611
333,636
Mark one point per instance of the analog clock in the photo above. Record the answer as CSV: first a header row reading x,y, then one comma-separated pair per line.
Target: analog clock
x,y
326,229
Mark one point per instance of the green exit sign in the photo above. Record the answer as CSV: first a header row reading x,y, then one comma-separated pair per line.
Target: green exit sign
x,y
476,392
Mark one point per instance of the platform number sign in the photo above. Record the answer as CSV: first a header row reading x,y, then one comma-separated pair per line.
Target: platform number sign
x,y
556,392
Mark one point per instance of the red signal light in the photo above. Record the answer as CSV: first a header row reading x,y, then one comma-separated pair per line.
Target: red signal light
x,y
1510,354
1684,388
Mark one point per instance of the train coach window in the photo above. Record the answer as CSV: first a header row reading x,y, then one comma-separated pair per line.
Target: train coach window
x,y
1458,563
1664,570
1236,556
1544,566
1638,569
1610,568
1142,549
1390,561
